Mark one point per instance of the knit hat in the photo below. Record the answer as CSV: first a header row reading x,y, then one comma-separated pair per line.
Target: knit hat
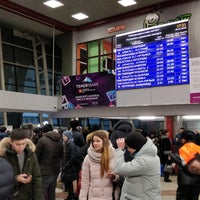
x,y
135,141
46,128
68,134
188,135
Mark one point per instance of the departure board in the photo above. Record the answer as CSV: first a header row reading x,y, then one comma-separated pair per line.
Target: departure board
x,y
156,56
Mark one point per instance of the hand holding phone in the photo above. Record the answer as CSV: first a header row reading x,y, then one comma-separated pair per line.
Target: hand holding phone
x,y
24,178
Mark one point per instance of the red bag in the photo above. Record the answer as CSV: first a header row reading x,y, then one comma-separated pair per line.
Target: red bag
x,y
79,183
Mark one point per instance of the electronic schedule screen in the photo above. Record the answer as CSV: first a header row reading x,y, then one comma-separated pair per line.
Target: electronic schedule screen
x,y
156,56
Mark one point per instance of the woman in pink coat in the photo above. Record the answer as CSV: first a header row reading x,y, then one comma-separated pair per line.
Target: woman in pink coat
x,y
97,169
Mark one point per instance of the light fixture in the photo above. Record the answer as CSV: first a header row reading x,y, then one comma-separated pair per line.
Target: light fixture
x,y
147,118
45,123
191,117
80,16
126,3
53,3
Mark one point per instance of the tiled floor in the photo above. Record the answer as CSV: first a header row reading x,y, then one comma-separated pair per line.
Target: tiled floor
x,y
168,190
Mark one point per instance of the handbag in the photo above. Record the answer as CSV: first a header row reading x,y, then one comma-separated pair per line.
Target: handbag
x,y
68,174
168,168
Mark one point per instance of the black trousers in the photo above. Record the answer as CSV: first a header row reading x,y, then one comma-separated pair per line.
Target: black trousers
x,y
187,192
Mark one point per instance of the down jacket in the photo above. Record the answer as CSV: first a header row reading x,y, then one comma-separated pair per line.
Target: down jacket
x,y
142,174
93,187
32,190
49,150
6,180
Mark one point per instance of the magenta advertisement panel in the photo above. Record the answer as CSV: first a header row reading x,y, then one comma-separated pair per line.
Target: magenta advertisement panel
x,y
95,89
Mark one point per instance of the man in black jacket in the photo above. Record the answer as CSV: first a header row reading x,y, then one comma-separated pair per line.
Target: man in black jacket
x,y
49,150
77,135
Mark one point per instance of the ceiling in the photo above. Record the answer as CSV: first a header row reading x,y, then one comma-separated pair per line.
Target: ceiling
x,y
34,16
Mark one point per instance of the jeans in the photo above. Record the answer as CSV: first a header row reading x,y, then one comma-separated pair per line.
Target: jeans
x,y
49,186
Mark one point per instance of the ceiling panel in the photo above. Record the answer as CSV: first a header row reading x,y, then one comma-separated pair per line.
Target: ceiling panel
x,y
34,16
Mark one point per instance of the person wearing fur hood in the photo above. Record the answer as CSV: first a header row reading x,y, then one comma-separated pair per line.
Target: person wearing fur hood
x,y
19,151
97,169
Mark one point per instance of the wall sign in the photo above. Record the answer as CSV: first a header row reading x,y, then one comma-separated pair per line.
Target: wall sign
x,y
94,89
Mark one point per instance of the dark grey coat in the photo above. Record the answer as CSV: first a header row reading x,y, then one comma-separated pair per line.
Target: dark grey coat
x,y
7,179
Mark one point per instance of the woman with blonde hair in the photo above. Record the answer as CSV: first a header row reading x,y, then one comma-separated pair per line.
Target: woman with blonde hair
x,y
97,169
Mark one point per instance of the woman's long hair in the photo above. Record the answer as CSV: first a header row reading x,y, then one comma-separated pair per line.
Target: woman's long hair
x,y
105,155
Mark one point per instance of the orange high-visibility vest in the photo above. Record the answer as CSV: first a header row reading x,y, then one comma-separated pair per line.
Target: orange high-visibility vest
x,y
188,151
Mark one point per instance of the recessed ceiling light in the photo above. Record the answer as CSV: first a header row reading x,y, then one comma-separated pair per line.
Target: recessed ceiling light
x,y
53,3
126,3
80,16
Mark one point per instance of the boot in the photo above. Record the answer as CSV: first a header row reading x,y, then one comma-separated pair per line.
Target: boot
x,y
75,197
166,177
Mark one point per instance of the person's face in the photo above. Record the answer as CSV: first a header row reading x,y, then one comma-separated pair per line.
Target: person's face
x,y
65,138
97,143
194,167
19,145
130,150
183,140
181,130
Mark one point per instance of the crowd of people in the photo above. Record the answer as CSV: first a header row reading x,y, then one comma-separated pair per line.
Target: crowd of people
x,y
119,164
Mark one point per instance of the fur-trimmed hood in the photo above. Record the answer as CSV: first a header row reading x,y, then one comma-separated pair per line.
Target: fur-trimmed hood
x,y
5,144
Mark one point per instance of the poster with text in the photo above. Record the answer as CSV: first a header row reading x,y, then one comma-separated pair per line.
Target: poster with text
x,y
95,89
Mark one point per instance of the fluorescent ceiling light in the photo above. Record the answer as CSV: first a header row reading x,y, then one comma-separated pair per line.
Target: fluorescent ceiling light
x,y
53,3
80,16
191,117
147,118
126,3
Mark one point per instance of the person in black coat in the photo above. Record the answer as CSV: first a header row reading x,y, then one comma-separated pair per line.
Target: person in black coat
x,y
120,130
49,150
7,179
197,137
71,164
165,149
188,184
77,135
3,132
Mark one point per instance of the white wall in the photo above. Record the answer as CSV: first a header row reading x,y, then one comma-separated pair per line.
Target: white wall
x,y
158,95
172,100
21,102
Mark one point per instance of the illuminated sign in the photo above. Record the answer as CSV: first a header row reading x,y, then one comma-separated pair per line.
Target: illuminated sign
x,y
156,56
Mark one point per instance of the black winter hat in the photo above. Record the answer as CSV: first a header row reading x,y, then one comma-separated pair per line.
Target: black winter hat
x,y
46,128
188,135
135,140
74,123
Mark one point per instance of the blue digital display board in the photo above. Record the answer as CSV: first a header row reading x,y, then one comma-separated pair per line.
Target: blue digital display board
x,y
156,56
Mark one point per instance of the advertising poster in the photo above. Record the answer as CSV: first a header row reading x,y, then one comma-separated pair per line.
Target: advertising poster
x,y
95,89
